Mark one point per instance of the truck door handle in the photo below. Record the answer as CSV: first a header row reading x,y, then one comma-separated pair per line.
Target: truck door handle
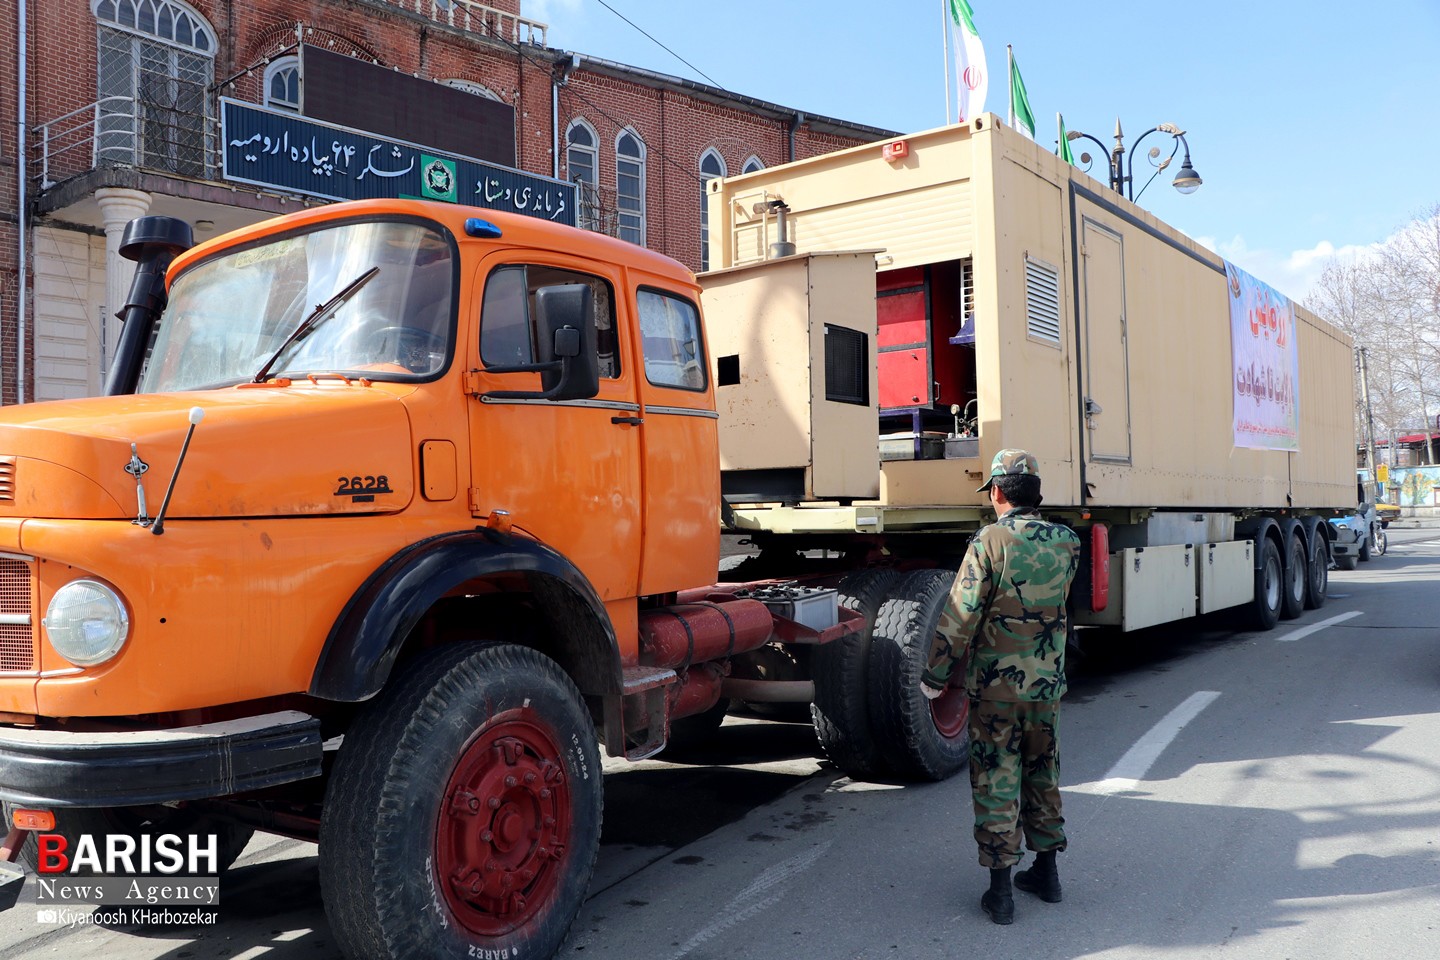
x,y
633,421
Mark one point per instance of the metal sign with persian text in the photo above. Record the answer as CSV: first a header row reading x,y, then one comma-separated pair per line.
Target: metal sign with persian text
x,y
284,151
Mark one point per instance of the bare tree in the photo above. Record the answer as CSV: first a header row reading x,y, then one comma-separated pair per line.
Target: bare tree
x,y
1388,300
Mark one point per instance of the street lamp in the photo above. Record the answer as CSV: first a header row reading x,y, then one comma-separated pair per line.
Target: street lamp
x,y
1122,165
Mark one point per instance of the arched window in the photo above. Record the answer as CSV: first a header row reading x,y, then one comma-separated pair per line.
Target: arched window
x,y
630,187
582,160
282,84
470,86
712,165
157,60
752,163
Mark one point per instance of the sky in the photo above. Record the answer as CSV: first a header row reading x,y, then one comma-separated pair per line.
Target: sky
x,y
1314,123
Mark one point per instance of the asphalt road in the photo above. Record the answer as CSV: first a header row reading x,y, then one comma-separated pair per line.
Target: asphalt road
x,y
1241,795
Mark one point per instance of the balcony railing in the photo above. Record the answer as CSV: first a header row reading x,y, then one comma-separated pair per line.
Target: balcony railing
x,y
125,131
477,18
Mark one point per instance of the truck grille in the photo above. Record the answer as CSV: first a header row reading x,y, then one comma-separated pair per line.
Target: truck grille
x,y
17,629
7,479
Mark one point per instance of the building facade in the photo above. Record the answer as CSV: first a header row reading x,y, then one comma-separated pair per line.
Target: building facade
x,y
116,109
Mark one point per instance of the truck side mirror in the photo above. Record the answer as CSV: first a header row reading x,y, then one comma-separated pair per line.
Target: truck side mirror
x,y
566,356
565,331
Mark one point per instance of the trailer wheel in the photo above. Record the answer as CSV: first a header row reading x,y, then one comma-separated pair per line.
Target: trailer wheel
x,y
1318,586
462,818
98,822
1346,561
1269,583
1296,579
917,738
840,670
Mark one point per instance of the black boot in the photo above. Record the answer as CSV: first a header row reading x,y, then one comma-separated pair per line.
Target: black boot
x,y
1042,878
998,901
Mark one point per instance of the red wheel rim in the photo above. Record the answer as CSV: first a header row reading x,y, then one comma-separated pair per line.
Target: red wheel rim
x,y
951,712
504,825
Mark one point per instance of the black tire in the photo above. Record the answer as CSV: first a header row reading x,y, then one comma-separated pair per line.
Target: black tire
x,y
1365,548
432,771
72,822
902,719
1264,610
841,670
1317,586
1346,561
1292,601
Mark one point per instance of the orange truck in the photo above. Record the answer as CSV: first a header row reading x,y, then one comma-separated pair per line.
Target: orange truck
x,y
389,507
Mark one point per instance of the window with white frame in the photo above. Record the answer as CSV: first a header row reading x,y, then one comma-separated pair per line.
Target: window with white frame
x,y
282,84
582,160
157,61
630,187
752,164
712,165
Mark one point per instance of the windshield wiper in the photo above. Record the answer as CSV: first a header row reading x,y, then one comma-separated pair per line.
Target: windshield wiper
x,y
320,314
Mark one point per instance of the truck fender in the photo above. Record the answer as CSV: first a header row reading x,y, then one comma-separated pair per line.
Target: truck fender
x,y
1257,529
367,637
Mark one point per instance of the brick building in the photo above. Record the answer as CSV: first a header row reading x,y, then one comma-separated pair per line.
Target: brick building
x,y
113,109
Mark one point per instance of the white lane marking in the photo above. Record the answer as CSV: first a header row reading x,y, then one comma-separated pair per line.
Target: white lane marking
x,y
1304,632
1128,770
734,912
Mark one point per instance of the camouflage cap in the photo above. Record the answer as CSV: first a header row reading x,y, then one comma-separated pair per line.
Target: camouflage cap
x,y
1011,463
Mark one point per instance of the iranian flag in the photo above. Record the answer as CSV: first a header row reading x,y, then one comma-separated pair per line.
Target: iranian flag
x,y
971,78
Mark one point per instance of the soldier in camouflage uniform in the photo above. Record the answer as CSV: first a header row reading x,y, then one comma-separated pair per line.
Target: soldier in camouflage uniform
x,y
1005,625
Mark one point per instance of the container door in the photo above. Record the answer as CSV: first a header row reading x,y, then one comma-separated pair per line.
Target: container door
x,y
567,472
902,310
1106,397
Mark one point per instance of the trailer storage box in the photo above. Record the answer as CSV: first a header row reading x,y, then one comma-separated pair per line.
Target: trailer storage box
x,y
792,347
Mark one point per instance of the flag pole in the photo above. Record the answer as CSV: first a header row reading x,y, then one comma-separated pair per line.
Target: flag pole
x,y
945,42
1010,80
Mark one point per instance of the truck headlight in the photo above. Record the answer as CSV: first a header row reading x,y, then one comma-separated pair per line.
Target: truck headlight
x,y
86,622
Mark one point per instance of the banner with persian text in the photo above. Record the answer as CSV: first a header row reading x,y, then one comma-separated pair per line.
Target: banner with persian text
x,y
1266,361
285,151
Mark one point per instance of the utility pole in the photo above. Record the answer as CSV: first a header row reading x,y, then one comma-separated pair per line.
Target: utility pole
x,y
1369,428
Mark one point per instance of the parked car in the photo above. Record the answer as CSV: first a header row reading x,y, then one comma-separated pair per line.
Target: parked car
x,y
1358,536
1386,513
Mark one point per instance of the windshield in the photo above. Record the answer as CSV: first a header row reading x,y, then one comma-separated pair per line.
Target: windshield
x,y
229,315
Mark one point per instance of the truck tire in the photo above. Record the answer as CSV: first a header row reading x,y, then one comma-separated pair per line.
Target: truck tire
x,y
462,818
840,671
1297,578
918,738
1269,587
1365,548
1345,561
1318,586
73,822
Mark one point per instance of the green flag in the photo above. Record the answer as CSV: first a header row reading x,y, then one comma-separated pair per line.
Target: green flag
x,y
1064,149
1020,115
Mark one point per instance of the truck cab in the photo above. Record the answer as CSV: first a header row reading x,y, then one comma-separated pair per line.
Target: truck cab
x,y
362,444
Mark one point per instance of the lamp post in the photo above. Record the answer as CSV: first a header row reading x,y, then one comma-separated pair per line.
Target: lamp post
x,y
1122,165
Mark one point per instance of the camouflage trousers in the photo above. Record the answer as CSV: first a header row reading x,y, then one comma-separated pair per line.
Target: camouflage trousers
x,y
1015,778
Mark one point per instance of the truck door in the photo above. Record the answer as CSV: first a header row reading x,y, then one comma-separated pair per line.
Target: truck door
x,y
1106,396
680,443
567,472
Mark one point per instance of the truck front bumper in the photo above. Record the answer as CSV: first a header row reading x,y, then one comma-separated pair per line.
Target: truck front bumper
x,y
57,768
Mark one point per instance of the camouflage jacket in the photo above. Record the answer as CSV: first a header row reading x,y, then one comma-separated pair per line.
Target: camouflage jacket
x,y
1007,611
